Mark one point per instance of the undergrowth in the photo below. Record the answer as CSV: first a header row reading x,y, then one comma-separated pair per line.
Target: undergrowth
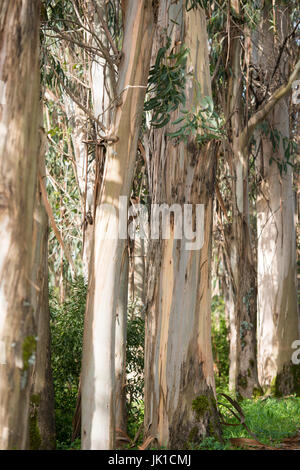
x,y
135,368
66,321
270,419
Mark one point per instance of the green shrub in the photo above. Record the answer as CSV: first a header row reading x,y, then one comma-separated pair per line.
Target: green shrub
x,y
271,419
220,343
135,368
67,333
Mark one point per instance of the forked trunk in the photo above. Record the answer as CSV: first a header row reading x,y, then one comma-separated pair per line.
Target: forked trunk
x,y
98,368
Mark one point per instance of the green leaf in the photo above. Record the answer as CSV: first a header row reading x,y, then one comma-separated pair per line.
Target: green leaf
x,y
162,124
176,133
177,121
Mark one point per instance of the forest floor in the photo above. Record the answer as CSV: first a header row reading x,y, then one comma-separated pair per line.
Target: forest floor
x,y
265,423
274,423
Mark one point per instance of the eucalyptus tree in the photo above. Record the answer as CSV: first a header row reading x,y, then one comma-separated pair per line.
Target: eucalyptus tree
x,y
243,376
68,126
243,115
83,70
120,140
245,279
104,26
180,150
41,430
278,320
19,148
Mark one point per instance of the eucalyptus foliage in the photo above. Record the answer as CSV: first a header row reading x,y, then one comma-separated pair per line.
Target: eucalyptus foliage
x,y
204,124
276,138
166,85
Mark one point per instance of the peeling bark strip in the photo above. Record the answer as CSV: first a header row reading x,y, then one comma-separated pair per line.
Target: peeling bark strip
x,y
98,370
19,143
179,382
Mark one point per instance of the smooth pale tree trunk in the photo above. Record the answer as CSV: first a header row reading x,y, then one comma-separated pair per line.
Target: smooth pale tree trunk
x,y
179,380
90,181
100,77
41,417
98,365
278,320
100,86
19,142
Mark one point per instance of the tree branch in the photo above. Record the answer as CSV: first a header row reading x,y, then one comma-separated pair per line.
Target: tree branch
x,y
81,106
260,115
49,211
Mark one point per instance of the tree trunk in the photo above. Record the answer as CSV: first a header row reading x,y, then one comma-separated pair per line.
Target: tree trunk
x,y
180,403
243,377
19,142
42,417
98,370
278,320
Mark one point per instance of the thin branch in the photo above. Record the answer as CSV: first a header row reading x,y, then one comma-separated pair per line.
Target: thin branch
x,y
83,45
106,30
282,48
87,111
54,226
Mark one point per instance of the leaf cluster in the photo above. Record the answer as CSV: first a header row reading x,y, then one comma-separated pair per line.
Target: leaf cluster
x,y
194,4
288,145
204,124
166,84
135,367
